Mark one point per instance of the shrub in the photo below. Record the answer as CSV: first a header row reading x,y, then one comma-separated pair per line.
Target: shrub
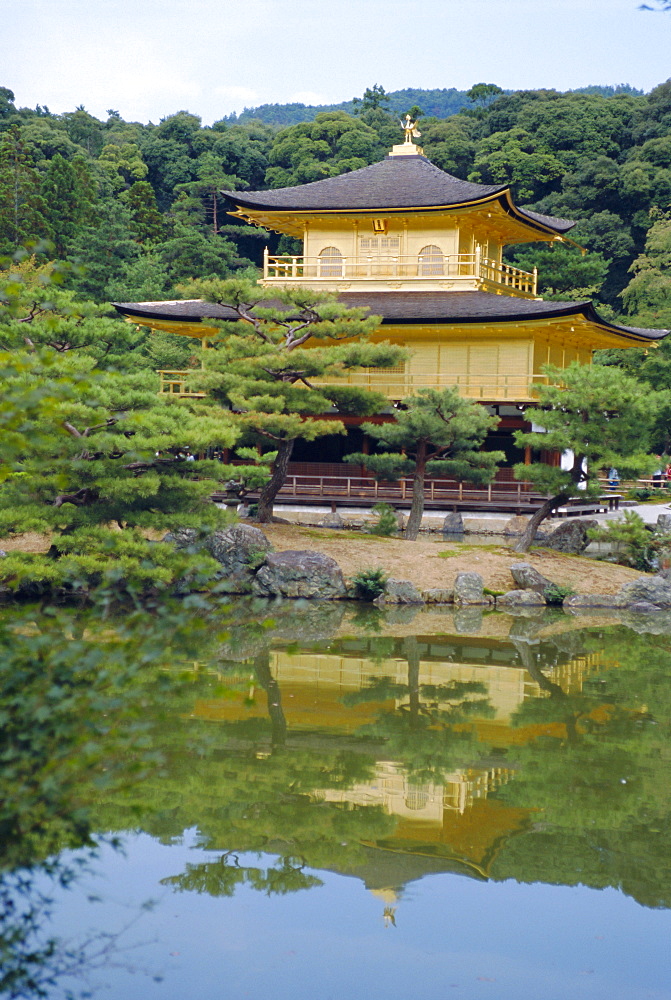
x,y
641,493
556,594
386,523
632,542
369,583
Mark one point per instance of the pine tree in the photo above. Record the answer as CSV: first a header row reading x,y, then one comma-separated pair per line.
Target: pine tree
x,y
597,415
99,460
270,365
436,433
64,210
22,207
147,221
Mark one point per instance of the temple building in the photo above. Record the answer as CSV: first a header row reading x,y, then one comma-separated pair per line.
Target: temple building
x,y
424,250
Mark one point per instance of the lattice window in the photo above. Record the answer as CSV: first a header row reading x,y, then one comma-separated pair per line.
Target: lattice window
x,y
330,263
430,260
390,370
379,246
417,796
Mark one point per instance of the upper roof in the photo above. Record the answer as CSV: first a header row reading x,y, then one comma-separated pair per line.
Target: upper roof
x,y
395,183
410,308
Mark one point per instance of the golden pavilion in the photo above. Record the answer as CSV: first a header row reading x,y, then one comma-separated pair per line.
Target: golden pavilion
x,y
424,250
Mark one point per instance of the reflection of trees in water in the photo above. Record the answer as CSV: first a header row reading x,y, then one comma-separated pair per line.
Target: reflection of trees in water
x,y
224,876
72,685
597,775
419,731
88,706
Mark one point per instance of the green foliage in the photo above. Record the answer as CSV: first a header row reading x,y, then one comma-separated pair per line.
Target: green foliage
x,y
442,103
370,583
633,543
373,98
601,415
386,523
642,493
647,297
22,205
36,310
482,94
96,459
267,366
563,271
332,144
436,433
516,157
556,594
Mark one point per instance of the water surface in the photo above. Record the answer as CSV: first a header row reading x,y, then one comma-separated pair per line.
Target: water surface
x,y
327,803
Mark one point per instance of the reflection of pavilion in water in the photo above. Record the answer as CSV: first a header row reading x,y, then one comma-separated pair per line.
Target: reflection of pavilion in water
x,y
456,823
313,683
423,802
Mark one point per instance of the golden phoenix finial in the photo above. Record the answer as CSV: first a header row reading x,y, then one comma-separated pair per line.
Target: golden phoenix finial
x,y
410,129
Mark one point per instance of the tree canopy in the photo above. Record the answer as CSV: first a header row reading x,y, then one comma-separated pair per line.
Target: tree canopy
x,y
596,417
436,433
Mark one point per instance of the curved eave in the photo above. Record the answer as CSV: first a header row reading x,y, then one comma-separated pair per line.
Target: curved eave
x,y
290,221
156,319
190,318
582,312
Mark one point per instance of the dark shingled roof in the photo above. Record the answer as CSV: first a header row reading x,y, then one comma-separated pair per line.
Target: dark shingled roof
x,y
394,183
410,308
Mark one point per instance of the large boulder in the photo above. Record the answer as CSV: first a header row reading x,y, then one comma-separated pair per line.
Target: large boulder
x,y
521,598
650,589
527,577
239,550
453,524
299,574
468,589
595,601
401,592
570,536
438,595
332,520
239,547
663,526
643,608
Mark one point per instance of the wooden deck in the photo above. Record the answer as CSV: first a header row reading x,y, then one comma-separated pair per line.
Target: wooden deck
x,y
440,494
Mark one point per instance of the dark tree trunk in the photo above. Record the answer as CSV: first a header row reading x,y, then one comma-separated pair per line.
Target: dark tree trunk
x,y
555,691
274,696
411,650
276,481
532,527
417,508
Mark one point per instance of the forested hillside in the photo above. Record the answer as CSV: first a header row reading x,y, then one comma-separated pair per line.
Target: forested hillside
x,y
440,103
136,206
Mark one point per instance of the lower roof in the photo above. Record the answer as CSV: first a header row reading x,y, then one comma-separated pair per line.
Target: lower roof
x,y
401,308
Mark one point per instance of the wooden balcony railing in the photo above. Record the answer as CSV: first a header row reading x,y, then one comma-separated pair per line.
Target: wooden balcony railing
x,y
176,383
463,266
349,490
399,384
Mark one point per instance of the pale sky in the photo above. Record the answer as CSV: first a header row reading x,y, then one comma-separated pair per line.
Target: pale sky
x,y
151,58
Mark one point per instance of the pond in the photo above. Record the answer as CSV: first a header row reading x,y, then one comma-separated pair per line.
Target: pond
x,y
332,801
